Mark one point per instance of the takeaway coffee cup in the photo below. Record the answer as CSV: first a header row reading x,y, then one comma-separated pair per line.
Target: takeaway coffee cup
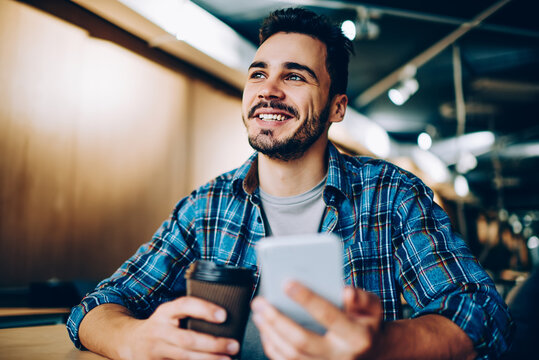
x,y
227,286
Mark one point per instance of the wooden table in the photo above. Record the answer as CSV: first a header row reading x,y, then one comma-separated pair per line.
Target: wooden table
x,y
40,343
15,317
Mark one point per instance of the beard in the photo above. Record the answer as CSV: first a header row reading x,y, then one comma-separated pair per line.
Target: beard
x,y
294,146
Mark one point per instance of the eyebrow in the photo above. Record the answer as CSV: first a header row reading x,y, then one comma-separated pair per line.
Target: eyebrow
x,y
289,66
258,64
296,66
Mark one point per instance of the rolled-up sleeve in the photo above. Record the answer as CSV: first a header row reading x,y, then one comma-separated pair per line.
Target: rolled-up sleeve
x,y
153,275
439,275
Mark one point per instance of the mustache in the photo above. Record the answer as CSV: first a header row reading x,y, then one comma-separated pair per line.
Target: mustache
x,y
274,104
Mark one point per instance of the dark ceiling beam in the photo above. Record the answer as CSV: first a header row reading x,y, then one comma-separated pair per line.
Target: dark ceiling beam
x,y
386,83
375,10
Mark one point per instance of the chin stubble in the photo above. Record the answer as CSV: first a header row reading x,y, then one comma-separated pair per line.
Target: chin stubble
x,y
293,147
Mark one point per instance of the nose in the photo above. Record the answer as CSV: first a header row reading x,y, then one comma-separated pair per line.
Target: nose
x,y
271,90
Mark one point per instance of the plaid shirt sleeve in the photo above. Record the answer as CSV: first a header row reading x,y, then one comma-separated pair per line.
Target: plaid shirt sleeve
x,y
153,275
439,275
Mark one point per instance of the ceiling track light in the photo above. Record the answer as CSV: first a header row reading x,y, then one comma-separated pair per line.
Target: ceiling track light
x,y
348,28
424,141
461,186
401,93
362,27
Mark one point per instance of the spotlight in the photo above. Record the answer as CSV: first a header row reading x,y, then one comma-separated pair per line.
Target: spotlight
x,y
424,141
533,242
461,186
361,28
400,94
349,29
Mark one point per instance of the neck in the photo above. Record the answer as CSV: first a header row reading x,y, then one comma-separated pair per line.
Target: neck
x,y
289,178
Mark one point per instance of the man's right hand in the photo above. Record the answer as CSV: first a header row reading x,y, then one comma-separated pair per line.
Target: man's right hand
x,y
110,330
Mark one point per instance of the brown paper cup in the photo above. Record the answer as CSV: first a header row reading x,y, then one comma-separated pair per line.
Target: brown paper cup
x,y
226,286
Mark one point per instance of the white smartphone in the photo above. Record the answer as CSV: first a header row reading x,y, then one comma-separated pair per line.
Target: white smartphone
x,y
315,260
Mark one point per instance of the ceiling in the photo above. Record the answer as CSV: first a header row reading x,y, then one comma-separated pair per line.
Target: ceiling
x,y
499,62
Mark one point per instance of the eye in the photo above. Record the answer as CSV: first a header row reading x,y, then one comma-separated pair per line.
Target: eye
x,y
295,77
257,75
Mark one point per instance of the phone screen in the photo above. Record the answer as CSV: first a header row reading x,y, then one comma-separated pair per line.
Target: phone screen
x,y
314,260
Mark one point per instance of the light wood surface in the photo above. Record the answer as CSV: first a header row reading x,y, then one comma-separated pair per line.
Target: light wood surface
x,y
22,311
40,343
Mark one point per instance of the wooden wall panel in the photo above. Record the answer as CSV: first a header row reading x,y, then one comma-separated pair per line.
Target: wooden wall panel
x,y
97,144
219,139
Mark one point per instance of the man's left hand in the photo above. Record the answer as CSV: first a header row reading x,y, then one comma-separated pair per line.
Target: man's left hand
x,y
351,333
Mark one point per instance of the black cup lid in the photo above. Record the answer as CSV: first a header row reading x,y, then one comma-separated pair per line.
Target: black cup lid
x,y
209,271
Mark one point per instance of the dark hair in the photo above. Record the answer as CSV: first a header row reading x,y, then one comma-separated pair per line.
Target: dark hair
x,y
302,21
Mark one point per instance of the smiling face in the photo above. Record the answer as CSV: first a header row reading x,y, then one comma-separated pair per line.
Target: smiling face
x,y
285,100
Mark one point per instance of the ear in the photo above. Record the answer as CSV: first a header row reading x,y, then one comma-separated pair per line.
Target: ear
x,y
338,108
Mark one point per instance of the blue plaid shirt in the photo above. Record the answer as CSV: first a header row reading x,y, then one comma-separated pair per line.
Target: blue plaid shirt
x,y
396,240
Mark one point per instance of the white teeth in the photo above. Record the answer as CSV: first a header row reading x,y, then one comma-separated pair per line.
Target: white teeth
x,y
272,117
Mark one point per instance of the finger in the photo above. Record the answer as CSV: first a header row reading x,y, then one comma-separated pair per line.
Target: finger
x,y
365,311
267,345
321,309
270,350
173,352
349,299
359,301
199,342
363,307
188,306
340,327
285,335
273,346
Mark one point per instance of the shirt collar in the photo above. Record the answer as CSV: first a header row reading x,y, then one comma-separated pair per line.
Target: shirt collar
x,y
337,177
245,179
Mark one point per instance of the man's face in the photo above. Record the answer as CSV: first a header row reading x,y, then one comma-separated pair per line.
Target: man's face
x,y
285,100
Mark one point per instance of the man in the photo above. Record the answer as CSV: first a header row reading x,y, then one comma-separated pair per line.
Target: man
x,y
396,240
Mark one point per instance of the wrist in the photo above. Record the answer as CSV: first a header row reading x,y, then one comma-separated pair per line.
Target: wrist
x,y
378,344
426,337
109,330
128,334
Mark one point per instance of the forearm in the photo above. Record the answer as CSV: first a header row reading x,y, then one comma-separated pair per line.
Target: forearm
x,y
104,329
426,337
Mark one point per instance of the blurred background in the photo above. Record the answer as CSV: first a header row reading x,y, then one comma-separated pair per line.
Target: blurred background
x,y
111,111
